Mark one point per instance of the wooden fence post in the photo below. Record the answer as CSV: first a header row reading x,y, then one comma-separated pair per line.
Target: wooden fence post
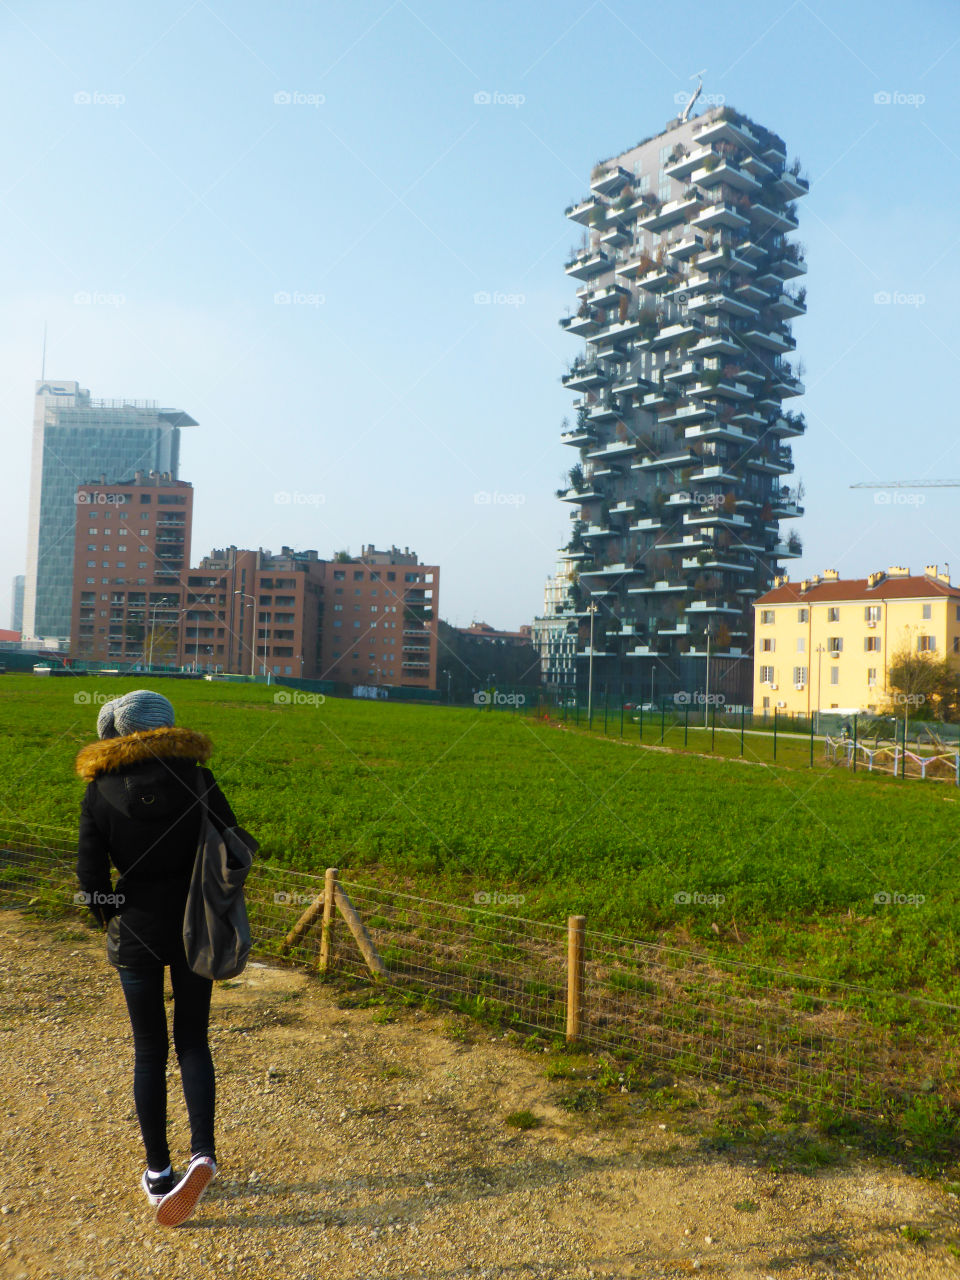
x,y
576,926
359,931
303,924
329,903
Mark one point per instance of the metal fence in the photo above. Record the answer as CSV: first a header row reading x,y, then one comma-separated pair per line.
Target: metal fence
x,y
858,1050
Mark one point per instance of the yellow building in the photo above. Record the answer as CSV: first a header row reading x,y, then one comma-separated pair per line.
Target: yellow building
x,y
826,643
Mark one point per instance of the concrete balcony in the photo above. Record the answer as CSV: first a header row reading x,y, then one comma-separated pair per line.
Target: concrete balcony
x,y
716,390
714,303
729,174
694,159
586,375
725,259
721,215
762,215
675,332
685,247
582,326
739,133
670,213
787,307
611,180
791,186
586,210
590,263
769,339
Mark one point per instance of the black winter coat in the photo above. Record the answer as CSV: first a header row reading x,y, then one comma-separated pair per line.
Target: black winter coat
x,y
141,813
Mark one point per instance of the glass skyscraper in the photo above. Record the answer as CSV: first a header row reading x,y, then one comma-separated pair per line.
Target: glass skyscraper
x,y
77,440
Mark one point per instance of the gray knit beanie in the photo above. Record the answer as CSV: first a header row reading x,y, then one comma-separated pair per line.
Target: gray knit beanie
x,y
136,712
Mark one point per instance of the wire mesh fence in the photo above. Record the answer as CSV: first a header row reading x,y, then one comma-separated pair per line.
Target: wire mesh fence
x,y
679,1011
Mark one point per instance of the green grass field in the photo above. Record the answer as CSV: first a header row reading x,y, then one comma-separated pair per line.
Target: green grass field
x,y
448,802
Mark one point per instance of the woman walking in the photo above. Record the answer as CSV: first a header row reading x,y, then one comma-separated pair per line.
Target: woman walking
x,y
142,813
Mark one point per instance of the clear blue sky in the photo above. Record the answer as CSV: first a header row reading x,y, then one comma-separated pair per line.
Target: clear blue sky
x,y
183,198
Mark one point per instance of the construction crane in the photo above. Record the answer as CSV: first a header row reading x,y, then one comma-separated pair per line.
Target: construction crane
x,y
906,484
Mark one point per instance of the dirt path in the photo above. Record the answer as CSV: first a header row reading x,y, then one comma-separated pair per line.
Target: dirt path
x,y
352,1148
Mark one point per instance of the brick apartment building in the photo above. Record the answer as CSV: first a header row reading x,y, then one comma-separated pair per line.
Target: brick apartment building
x,y
131,546
380,619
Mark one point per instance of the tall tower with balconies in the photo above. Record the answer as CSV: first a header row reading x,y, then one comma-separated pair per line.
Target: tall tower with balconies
x,y
685,305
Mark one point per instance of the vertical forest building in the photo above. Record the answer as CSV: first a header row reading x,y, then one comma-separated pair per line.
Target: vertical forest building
x,y
686,286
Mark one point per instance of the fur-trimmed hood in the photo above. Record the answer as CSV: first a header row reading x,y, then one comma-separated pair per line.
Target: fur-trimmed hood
x,y
113,754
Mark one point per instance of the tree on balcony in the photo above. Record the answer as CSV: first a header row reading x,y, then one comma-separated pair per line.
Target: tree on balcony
x,y
576,477
794,543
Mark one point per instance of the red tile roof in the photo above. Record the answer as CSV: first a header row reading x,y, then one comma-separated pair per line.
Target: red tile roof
x,y
915,587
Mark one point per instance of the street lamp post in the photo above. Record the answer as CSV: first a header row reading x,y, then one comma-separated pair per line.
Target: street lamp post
x,y
819,663
706,704
253,648
592,610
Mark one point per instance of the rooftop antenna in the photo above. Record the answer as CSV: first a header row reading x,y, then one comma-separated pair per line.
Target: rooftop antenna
x,y
696,95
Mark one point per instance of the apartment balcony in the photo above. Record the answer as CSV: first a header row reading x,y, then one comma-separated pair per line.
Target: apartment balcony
x,y
789,269
689,413
759,168
615,449
579,495
613,570
714,303
686,247
609,295
775,151
627,507
725,259
675,333
586,210
787,307
615,335
717,430
725,607
787,385
716,516
788,550
791,186
618,234
590,263
645,523
649,463
748,417
641,651
694,159
789,426
659,279
611,180
582,326
769,339
726,131
660,396
667,215
606,409
714,390
716,342
632,266
662,588
729,174
752,292
785,505
586,374
772,219
721,215
630,384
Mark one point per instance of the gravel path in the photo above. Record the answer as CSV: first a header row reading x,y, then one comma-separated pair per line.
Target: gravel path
x,y
354,1148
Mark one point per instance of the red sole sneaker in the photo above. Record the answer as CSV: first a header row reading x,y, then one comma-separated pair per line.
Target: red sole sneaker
x,y
177,1205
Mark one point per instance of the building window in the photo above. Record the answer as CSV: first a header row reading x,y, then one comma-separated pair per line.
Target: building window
x,y
835,644
927,611
799,676
766,675
802,615
871,613
766,704
766,617
871,644
834,675
339,575
801,644
768,644
926,644
871,676
358,575
833,615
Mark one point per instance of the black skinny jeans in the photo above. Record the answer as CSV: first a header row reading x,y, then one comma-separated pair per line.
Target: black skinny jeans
x,y
143,989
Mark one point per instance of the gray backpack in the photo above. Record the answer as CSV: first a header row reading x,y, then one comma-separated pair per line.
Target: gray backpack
x,y
216,932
